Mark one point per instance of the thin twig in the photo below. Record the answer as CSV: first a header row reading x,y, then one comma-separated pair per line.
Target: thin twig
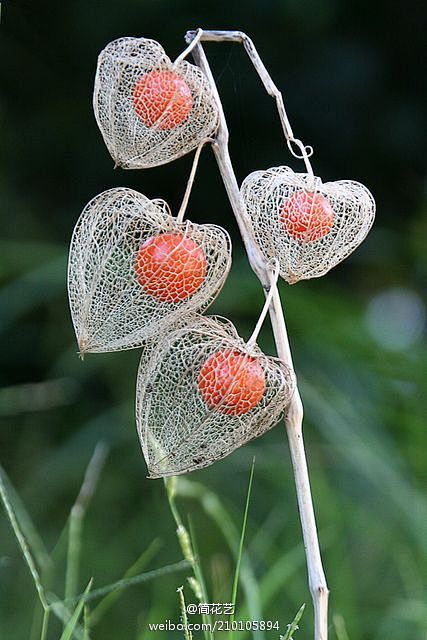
x,y
293,421
184,204
270,293
194,41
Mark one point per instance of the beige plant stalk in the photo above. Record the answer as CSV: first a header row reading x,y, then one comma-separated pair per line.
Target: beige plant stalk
x,y
294,417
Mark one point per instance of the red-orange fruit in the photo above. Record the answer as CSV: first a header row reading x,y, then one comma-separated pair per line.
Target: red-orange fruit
x,y
307,216
170,267
161,98
231,382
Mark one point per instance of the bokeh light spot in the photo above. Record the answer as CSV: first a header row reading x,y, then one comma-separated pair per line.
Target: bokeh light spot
x,y
396,318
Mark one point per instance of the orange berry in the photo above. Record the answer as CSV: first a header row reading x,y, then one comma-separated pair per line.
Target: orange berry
x,y
231,382
162,98
307,216
170,267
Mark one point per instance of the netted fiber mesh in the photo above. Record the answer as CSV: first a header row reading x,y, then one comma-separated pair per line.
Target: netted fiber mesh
x,y
133,270
149,110
202,393
308,226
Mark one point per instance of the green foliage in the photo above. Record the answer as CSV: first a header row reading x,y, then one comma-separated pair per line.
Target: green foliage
x,y
31,544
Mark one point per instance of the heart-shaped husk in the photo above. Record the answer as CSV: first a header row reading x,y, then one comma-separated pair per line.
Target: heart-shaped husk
x,y
309,251
110,309
132,144
178,430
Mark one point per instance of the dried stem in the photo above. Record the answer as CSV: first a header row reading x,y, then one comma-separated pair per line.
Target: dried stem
x,y
270,293
194,40
293,421
184,204
267,81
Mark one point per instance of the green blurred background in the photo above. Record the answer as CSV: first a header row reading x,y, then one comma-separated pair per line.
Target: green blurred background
x,y
354,89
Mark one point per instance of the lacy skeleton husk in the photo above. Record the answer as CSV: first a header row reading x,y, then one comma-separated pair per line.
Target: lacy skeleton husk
x,y
150,111
118,296
182,424
309,226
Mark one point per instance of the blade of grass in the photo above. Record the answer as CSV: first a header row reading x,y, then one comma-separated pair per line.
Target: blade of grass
x,y
340,628
129,582
45,624
86,623
59,471
294,624
37,620
37,549
146,556
29,531
63,614
9,507
78,512
240,552
69,629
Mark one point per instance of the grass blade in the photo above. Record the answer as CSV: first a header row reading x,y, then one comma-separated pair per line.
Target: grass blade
x,y
77,515
340,628
239,555
129,582
9,507
69,629
63,614
87,621
45,624
29,531
294,624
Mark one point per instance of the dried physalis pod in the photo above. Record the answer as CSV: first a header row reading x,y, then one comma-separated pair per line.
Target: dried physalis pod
x,y
202,393
149,110
308,226
133,269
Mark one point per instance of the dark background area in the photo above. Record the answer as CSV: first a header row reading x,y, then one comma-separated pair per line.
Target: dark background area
x,y
354,89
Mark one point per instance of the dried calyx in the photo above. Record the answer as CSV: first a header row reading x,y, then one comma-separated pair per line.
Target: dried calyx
x,y
134,270
309,226
202,393
149,109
